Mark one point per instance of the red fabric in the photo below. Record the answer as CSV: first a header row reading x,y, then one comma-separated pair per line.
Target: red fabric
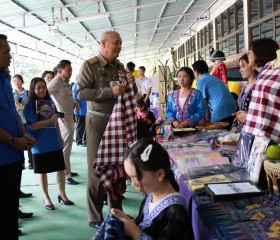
x,y
263,118
220,71
120,133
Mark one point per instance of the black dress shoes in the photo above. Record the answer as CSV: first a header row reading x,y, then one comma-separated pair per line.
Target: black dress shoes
x,y
81,145
49,207
23,215
74,174
95,225
66,202
71,181
24,195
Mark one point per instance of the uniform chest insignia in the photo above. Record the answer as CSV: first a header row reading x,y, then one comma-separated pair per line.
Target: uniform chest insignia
x,y
92,60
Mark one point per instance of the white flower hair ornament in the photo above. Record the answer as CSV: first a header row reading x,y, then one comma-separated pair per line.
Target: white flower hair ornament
x,y
146,153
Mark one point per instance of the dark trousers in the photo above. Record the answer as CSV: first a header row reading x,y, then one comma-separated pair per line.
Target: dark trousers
x,y
148,103
80,131
10,178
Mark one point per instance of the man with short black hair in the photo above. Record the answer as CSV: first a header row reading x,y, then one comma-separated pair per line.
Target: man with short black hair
x,y
61,94
219,102
12,144
144,86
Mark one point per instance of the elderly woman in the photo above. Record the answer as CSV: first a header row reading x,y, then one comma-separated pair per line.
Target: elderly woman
x,y
185,107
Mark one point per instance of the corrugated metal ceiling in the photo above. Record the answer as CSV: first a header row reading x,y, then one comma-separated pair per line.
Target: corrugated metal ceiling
x,y
68,28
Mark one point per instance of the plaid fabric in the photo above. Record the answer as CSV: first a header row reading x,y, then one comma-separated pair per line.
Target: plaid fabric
x,y
263,118
120,133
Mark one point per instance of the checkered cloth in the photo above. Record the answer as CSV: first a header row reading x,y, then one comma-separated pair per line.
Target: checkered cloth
x,y
120,133
263,118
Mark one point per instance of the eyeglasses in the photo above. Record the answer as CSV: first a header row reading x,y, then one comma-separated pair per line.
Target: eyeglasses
x,y
249,52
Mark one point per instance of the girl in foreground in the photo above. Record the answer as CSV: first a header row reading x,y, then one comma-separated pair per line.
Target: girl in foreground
x,y
47,153
163,214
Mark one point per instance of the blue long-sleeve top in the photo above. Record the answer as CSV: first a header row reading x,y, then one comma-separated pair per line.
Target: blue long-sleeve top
x,y
83,103
192,112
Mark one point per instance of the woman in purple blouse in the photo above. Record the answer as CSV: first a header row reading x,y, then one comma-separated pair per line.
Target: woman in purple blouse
x,y
245,94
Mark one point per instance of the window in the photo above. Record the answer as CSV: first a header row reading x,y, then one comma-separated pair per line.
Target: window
x,y
225,23
254,10
277,27
218,27
231,19
241,46
232,45
240,14
277,4
206,35
225,47
267,7
210,33
198,40
202,38
266,29
255,31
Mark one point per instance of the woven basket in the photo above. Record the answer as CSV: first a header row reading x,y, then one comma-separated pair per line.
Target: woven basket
x,y
272,170
210,126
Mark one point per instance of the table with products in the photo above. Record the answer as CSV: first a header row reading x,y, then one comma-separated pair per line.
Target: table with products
x,y
198,159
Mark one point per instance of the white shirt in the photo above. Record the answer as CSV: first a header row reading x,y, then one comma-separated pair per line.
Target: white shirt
x,y
143,85
182,102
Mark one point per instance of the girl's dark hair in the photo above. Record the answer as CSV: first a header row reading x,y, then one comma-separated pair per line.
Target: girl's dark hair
x,y
19,77
140,102
189,71
264,50
246,59
47,72
32,96
158,159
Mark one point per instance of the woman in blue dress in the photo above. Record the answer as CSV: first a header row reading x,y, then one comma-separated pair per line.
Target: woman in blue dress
x,y
185,107
47,152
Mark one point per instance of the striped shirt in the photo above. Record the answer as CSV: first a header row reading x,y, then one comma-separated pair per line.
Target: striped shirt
x,y
263,118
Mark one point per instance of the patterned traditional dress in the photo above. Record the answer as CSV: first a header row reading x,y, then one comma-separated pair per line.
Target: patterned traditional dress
x,y
192,111
243,102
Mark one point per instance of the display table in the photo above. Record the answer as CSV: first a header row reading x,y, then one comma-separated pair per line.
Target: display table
x,y
245,219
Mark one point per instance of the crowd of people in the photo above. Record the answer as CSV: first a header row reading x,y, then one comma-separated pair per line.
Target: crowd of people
x,y
103,112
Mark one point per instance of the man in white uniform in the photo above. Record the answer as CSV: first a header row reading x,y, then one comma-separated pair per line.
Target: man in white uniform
x,y
144,86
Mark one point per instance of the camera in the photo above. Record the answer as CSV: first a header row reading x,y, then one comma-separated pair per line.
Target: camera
x,y
19,100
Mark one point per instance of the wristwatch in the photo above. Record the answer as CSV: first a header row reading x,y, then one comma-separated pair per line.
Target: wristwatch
x,y
11,141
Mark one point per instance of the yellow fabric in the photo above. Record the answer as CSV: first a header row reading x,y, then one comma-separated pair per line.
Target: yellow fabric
x,y
232,86
136,74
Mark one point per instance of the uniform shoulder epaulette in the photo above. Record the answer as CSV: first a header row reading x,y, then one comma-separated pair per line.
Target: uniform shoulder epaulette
x,y
59,78
92,60
119,62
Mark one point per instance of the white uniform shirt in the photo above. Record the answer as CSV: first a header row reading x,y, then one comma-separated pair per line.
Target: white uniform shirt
x,y
143,85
